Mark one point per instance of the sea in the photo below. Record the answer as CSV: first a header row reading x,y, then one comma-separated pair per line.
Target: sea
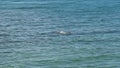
x,y
30,34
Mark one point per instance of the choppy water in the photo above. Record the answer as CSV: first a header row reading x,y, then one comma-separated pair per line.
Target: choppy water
x,y
28,38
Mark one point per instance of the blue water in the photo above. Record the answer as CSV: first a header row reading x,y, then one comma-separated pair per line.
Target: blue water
x,y
28,37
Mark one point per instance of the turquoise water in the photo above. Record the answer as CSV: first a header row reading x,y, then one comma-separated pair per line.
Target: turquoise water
x,y
28,37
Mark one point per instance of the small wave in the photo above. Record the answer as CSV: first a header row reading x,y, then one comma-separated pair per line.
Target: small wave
x,y
6,52
10,42
3,35
99,32
33,7
96,40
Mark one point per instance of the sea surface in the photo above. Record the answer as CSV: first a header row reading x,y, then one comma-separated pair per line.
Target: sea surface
x,y
29,38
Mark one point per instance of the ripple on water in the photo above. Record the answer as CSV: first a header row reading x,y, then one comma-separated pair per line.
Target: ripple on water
x,y
28,37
